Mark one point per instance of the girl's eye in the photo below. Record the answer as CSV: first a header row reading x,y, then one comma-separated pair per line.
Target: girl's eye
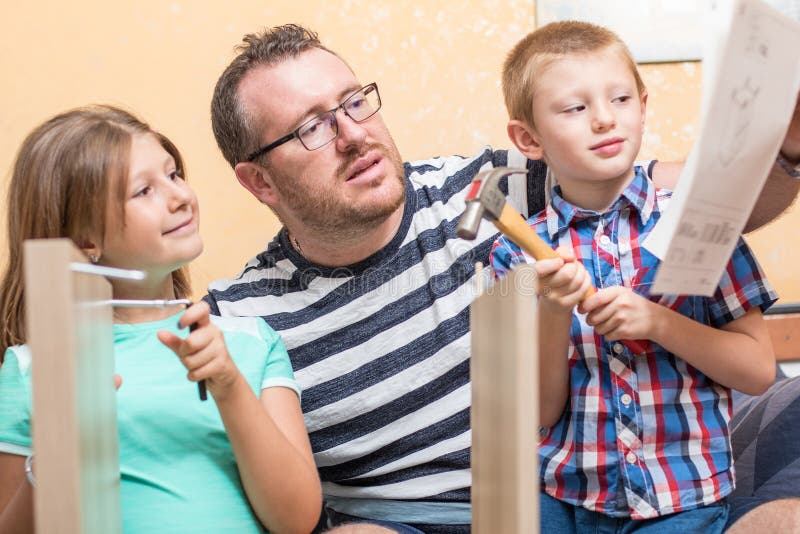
x,y
575,109
175,175
143,191
622,99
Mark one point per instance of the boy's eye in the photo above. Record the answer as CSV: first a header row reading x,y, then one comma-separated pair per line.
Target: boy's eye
x,y
622,99
575,109
176,175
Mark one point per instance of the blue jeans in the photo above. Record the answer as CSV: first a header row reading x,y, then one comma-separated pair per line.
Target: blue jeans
x,y
558,517
337,518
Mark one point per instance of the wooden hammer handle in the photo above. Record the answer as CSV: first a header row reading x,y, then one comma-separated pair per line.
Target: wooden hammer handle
x,y
517,230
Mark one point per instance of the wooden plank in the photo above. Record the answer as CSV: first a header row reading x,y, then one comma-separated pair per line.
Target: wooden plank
x,y
784,329
74,402
504,416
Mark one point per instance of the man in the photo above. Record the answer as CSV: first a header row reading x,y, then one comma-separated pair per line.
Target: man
x,y
366,283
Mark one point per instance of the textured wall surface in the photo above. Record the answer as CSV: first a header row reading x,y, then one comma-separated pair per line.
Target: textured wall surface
x,y
437,63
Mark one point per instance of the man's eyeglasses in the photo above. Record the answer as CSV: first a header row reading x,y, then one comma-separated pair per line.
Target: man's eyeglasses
x,y
319,131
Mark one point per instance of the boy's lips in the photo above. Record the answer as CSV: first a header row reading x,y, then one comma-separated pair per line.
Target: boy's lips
x,y
610,146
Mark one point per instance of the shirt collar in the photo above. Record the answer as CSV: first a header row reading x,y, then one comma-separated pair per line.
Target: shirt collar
x,y
640,194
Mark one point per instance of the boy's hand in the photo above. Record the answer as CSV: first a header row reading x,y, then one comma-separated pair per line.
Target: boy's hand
x,y
203,352
619,313
561,282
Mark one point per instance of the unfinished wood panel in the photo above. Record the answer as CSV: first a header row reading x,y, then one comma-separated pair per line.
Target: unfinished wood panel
x,y
504,417
785,333
70,336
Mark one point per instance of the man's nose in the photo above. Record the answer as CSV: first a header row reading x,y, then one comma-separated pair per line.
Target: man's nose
x,y
350,132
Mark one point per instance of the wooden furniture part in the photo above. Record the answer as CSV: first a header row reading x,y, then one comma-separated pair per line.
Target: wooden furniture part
x,y
784,329
504,417
69,322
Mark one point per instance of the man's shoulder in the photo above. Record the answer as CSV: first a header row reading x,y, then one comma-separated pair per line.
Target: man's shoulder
x,y
267,273
439,168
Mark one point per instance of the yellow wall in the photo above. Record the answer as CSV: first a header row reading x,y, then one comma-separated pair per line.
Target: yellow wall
x,y
437,63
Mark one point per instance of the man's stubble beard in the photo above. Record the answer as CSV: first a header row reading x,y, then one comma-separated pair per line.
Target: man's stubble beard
x,y
326,212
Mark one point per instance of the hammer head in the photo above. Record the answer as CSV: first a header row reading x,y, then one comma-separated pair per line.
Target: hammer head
x,y
484,200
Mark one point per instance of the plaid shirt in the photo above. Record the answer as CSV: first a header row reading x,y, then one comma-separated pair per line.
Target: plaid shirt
x,y
644,434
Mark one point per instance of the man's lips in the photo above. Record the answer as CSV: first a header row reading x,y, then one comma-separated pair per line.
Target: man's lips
x,y
362,164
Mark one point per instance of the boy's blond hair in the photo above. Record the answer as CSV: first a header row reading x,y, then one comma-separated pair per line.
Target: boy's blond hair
x,y
539,48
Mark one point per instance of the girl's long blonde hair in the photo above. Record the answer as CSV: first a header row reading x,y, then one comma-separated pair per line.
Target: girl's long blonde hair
x,y
66,173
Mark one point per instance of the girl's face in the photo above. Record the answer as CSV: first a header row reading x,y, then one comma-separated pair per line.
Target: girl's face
x,y
160,231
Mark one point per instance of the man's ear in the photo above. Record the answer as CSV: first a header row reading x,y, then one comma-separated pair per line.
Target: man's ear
x,y
256,179
525,139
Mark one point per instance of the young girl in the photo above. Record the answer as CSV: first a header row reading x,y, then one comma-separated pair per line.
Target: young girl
x,y
104,179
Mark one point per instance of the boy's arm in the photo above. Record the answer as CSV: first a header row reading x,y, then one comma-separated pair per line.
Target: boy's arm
x,y
555,280
561,284
738,355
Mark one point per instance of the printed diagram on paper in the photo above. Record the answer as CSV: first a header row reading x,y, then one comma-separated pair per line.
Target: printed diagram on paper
x,y
749,94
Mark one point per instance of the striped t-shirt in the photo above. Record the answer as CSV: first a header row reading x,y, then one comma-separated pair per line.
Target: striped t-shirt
x,y
381,348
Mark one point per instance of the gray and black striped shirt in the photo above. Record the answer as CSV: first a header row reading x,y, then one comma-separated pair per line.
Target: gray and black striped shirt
x,y
381,348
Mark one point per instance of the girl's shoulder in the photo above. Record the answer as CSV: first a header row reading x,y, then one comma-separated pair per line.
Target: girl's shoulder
x,y
17,360
252,328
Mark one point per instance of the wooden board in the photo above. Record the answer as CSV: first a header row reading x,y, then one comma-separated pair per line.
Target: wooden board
x,y
70,335
504,417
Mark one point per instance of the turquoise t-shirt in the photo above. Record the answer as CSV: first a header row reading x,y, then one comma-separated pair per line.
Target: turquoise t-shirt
x,y
178,472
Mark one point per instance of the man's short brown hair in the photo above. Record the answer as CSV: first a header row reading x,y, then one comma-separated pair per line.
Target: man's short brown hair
x,y
236,128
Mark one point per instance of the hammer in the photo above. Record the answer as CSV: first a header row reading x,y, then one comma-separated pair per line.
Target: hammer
x,y
485,200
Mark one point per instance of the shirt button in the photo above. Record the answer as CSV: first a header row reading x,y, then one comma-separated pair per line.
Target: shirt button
x,y
604,240
626,399
618,348
630,457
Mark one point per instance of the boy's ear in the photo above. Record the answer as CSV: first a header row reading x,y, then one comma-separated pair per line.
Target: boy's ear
x,y
256,179
644,106
525,139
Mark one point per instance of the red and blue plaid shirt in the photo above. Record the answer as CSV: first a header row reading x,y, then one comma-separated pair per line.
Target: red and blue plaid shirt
x,y
643,434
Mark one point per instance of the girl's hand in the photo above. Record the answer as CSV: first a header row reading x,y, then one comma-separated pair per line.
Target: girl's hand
x,y
619,313
561,282
203,352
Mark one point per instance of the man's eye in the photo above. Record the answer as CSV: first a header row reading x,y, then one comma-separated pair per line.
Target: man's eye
x,y
313,127
356,103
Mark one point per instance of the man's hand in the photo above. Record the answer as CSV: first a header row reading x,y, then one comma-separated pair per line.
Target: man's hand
x,y
791,143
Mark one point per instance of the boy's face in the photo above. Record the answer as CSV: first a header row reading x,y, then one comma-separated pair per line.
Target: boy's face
x,y
589,118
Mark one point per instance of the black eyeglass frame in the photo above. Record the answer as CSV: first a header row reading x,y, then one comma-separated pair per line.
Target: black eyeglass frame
x,y
295,133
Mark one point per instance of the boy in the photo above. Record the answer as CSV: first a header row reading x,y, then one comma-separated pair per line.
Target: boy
x,y
630,439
